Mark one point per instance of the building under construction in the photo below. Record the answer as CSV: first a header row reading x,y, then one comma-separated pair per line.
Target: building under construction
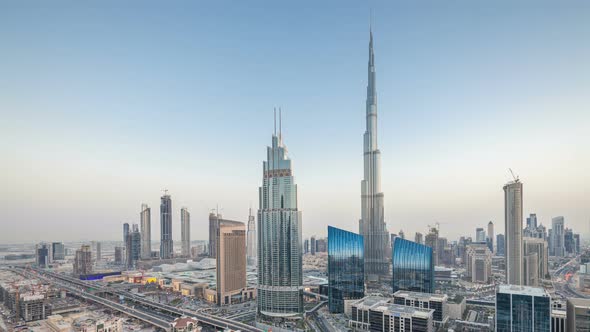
x,y
27,299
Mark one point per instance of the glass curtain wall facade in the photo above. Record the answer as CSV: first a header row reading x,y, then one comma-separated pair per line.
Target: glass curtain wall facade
x,y
346,271
522,309
413,267
280,270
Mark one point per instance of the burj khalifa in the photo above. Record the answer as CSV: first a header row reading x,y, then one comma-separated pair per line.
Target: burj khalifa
x,y
372,224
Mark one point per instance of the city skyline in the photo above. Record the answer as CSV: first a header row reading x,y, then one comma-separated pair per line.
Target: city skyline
x,y
447,142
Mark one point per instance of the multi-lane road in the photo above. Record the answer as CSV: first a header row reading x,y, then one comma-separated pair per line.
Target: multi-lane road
x,y
82,288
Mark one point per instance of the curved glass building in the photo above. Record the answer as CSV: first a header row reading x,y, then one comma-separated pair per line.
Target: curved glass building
x,y
346,270
413,267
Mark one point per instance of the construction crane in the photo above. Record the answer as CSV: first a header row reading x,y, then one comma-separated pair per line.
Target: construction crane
x,y
515,177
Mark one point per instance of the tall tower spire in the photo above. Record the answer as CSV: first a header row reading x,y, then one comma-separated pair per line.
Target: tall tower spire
x,y
372,224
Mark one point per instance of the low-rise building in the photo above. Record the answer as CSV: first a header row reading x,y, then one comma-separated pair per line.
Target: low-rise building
x,y
374,313
437,302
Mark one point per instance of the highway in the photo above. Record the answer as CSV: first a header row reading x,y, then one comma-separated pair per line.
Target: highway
x,y
217,322
155,321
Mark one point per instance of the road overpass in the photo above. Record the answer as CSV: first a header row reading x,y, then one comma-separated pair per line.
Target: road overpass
x,y
155,321
217,322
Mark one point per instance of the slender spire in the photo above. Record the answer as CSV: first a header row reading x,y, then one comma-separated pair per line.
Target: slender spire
x,y
280,124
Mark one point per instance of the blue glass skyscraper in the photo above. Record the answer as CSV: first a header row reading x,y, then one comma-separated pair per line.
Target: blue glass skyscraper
x,y
413,267
346,270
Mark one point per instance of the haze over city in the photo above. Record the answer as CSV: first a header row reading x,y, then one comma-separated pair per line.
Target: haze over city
x,y
104,106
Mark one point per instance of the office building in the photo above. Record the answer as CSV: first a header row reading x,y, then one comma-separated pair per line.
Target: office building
x,y
379,314
490,236
578,315
120,255
145,220
306,246
419,238
185,231
413,267
59,251
513,235
42,255
431,240
231,263
540,247
569,242
346,270
280,271
372,223
557,237
531,220
436,302
251,251
500,245
125,232
530,269
522,309
133,246
98,251
479,263
313,245
321,245
480,235
166,245
576,241
215,221
83,261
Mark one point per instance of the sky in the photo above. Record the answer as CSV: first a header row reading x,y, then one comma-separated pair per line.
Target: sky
x,y
105,104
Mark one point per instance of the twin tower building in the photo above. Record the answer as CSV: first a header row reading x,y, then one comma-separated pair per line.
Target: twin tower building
x,y
279,231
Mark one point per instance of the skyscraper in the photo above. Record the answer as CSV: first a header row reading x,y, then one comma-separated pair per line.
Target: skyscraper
x,y
531,220
539,247
413,266
59,251
185,231
231,262
125,232
522,309
500,245
166,245
98,251
145,217
346,268
419,238
251,252
216,221
513,236
83,261
490,238
372,223
478,262
431,240
280,277
558,236
313,245
133,246
480,235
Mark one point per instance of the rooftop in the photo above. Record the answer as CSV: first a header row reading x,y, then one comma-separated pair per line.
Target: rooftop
x,y
579,302
523,290
424,296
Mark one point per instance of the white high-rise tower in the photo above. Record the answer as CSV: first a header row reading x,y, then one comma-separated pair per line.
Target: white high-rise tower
x,y
251,240
372,224
280,276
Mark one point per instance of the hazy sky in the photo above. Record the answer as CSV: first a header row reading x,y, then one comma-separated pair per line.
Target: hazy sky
x,y
104,104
